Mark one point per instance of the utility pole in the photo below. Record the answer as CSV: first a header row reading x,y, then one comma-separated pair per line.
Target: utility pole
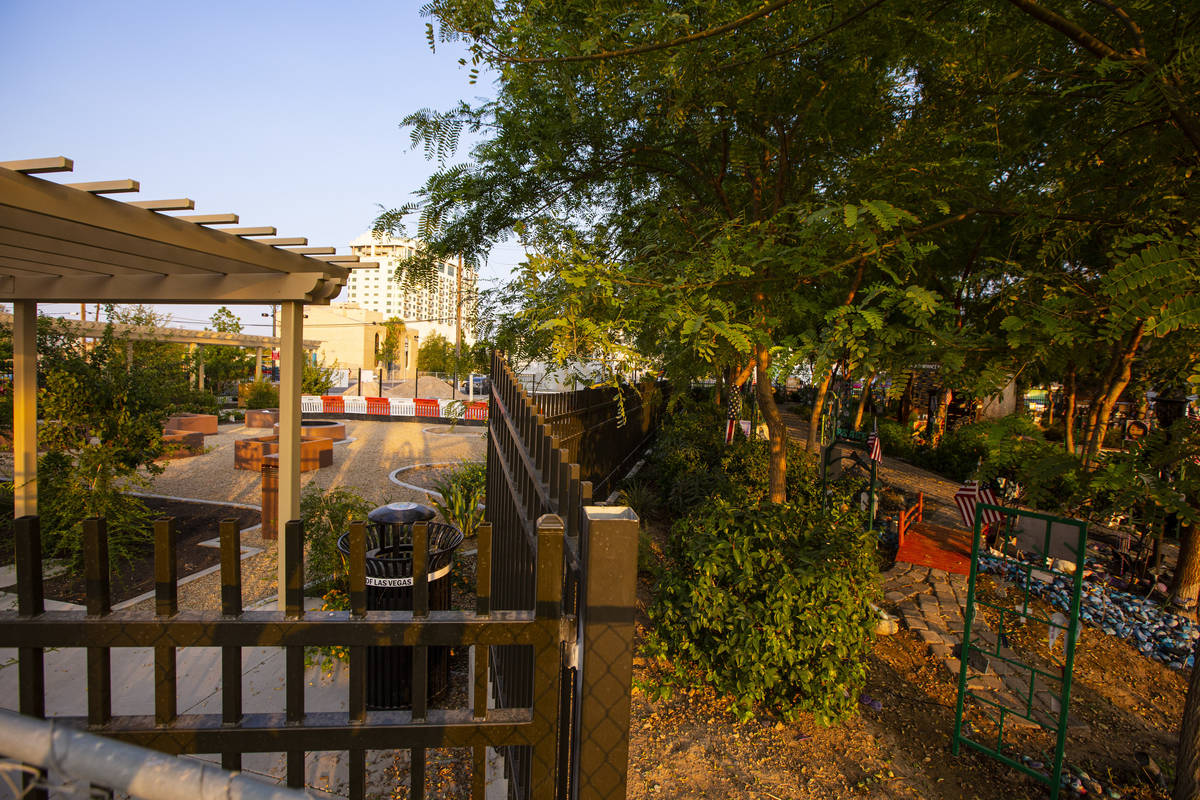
x,y
458,321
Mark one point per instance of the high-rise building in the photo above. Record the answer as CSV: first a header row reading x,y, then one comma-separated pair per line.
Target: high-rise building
x,y
425,309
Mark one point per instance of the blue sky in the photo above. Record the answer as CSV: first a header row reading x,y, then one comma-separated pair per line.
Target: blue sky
x,y
286,113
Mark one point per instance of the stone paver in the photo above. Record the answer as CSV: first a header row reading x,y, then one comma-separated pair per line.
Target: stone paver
x,y
932,604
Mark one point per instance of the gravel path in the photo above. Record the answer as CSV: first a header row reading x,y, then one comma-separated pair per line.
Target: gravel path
x,y
362,463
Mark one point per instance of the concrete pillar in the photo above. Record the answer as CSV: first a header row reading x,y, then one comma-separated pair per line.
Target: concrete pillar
x,y
24,407
291,369
258,363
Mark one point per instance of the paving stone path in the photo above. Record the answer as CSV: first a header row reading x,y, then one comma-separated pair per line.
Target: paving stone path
x,y
932,603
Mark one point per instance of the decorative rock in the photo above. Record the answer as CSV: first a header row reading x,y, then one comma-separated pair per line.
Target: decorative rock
x,y
1155,631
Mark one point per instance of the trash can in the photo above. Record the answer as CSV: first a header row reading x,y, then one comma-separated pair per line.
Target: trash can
x,y
389,588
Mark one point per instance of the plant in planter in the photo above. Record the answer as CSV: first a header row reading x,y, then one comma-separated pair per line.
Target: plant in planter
x,y
462,495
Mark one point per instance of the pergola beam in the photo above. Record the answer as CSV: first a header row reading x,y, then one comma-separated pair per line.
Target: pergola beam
x,y
152,333
265,230
29,166
210,219
178,204
312,251
287,240
243,288
107,187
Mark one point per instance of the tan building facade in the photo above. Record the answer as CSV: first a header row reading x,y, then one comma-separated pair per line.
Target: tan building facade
x,y
426,310
353,337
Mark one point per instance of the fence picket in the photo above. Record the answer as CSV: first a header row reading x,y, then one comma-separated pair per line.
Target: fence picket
x,y
231,657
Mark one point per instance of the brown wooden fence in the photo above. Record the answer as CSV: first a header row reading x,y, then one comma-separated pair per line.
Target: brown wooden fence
x,y
552,651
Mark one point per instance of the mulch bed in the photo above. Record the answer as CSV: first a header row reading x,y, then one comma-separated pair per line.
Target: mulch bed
x,y
195,522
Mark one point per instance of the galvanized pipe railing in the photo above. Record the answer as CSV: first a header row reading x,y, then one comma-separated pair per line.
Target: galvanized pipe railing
x,y
126,768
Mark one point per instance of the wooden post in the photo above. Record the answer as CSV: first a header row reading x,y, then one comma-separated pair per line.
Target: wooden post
x,y
24,408
258,363
291,368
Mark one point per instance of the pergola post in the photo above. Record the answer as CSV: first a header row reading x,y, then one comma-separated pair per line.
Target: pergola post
x,y
291,369
24,407
258,364
200,368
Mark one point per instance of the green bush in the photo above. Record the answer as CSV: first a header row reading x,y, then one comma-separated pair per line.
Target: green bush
x,y
691,463
66,496
262,394
195,401
462,494
770,605
326,515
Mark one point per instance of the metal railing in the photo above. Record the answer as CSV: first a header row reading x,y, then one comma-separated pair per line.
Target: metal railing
x,y
532,472
77,757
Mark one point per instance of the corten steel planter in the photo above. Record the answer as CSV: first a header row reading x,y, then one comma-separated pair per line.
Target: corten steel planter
x,y
199,423
320,429
315,453
390,588
262,418
182,444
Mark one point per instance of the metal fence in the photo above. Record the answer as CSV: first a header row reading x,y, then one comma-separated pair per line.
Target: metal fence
x,y
540,630
534,450
604,429
551,650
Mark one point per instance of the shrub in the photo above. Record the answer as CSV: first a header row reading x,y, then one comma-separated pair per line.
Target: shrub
x,y
769,605
462,494
691,463
195,401
260,394
326,515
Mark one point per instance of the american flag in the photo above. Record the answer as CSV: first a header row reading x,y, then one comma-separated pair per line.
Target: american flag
x,y
968,496
874,449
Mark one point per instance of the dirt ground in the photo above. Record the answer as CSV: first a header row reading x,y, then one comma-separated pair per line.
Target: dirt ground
x,y
690,745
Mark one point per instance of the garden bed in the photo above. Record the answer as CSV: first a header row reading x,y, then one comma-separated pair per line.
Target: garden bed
x,y
195,523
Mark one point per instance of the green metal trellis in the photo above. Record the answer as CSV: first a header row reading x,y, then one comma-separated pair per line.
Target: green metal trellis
x,y
833,434
1029,546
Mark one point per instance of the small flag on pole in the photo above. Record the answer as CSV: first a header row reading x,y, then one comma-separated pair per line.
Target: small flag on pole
x,y
874,448
966,499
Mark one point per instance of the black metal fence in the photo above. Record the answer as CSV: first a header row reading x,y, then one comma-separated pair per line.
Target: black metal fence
x,y
534,469
604,430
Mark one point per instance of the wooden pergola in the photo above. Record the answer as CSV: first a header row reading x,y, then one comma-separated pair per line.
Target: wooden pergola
x,y
68,242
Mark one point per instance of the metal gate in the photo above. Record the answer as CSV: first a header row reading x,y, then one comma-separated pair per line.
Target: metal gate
x,y
998,689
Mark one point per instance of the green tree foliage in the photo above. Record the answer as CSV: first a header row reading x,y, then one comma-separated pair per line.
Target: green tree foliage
x,y
102,431
393,342
436,354
225,365
317,376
